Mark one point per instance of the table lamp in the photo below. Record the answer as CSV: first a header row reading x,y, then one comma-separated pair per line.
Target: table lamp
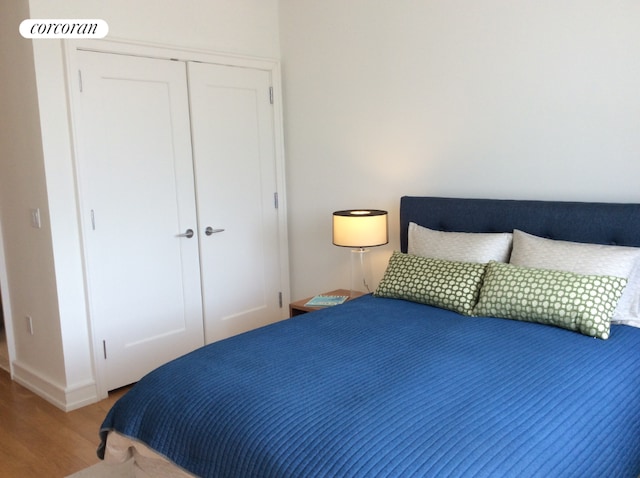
x,y
359,229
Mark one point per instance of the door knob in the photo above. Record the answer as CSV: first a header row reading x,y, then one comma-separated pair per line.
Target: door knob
x,y
188,234
209,230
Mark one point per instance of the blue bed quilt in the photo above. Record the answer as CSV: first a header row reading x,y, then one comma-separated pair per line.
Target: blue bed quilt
x,y
388,388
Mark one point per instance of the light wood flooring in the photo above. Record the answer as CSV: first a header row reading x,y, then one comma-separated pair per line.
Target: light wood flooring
x,y
38,439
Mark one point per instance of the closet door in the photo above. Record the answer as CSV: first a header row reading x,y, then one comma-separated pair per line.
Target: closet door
x,y
138,203
234,156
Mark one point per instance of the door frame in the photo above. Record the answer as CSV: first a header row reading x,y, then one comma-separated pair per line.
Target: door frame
x,y
149,50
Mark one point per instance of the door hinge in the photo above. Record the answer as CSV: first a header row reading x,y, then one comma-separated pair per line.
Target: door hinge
x,y
93,220
275,200
104,348
271,94
80,80
280,299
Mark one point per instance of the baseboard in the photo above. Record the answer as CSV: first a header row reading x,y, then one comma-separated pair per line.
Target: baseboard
x,y
81,395
66,398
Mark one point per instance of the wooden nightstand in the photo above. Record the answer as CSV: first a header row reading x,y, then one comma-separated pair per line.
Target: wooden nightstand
x,y
298,307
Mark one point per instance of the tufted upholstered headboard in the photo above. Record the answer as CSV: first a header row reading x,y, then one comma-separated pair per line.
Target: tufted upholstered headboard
x,y
598,223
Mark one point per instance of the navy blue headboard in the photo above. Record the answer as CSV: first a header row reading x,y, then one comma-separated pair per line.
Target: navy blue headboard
x,y
598,223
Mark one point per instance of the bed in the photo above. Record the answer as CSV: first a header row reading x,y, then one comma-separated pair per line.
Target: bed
x,y
413,381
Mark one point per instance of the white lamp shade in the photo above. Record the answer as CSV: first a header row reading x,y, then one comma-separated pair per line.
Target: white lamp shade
x,y
360,228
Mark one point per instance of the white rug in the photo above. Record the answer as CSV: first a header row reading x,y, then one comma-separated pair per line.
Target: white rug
x,y
102,470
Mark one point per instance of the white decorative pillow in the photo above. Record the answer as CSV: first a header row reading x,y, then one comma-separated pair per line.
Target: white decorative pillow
x,y
459,246
591,259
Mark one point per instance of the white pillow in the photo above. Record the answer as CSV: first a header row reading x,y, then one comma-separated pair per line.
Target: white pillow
x,y
591,259
459,246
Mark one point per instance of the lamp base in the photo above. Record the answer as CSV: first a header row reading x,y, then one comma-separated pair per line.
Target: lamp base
x,y
360,272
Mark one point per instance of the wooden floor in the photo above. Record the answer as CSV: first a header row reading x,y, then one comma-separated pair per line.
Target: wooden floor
x,y
4,351
38,439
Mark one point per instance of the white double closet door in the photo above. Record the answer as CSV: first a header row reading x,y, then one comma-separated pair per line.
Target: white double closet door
x,y
177,176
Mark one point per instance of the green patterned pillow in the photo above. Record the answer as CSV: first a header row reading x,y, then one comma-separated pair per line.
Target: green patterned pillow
x,y
583,303
445,284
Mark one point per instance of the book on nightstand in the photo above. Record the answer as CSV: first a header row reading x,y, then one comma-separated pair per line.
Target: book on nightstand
x,y
326,300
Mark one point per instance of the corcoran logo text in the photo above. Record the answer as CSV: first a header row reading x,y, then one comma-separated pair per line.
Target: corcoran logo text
x,y
76,28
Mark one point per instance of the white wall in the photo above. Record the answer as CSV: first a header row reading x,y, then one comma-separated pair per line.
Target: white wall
x,y
28,263
44,267
247,27
492,98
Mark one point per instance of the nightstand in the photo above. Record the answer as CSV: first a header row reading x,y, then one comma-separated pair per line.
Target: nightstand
x,y
298,307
